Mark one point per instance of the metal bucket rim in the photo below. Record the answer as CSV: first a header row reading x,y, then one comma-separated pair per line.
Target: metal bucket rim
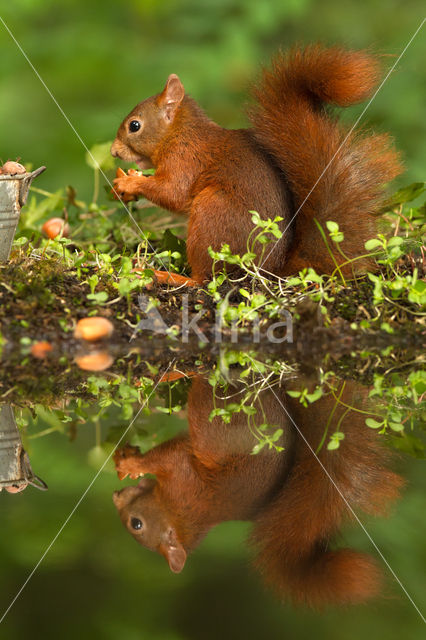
x,y
11,483
18,176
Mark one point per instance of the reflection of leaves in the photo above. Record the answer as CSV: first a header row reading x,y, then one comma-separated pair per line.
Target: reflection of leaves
x,y
175,394
148,435
417,293
335,440
99,157
97,456
409,444
418,381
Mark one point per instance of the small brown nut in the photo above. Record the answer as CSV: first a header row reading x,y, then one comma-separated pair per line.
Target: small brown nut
x,y
13,168
95,361
92,329
41,349
16,488
55,227
121,196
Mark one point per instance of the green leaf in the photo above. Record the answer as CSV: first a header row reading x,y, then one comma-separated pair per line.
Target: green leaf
x,y
292,282
100,297
99,157
333,444
395,241
417,292
255,218
385,326
258,447
332,226
373,424
406,194
277,435
315,395
173,243
20,241
374,243
418,381
250,411
294,394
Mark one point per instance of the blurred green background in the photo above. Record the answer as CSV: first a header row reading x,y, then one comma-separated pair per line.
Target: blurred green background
x,y
99,58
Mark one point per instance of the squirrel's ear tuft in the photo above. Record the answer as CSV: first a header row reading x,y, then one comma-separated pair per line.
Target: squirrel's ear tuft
x,y
171,96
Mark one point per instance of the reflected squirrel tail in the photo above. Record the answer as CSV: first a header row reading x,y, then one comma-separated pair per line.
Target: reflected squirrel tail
x,y
293,532
323,578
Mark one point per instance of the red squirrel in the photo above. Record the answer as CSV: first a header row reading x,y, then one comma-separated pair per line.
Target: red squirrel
x,y
296,161
209,476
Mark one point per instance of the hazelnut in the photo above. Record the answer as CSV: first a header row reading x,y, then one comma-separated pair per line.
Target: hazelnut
x,y
92,329
17,488
95,361
55,227
41,349
13,168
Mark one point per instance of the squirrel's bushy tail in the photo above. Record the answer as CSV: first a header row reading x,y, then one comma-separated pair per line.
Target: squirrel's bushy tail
x,y
333,174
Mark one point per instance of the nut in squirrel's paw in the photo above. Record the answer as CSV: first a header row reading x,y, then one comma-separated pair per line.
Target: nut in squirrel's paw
x,y
127,451
127,462
119,190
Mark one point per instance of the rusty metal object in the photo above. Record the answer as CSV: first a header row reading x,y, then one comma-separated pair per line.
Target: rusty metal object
x,y
15,468
13,196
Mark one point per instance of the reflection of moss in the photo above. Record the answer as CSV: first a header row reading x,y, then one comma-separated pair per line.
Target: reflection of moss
x,y
42,299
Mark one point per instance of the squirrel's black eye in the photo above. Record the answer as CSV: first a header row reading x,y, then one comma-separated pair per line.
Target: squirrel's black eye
x,y
134,125
136,523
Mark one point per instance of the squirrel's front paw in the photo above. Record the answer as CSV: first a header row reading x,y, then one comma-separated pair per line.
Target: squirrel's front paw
x,y
128,461
126,185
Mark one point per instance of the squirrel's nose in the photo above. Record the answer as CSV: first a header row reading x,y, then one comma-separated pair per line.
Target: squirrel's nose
x,y
114,149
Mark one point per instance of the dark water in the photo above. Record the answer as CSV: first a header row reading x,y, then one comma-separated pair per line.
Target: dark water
x,y
258,492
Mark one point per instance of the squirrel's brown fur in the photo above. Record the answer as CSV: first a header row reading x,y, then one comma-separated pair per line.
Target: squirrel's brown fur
x,y
297,161
209,476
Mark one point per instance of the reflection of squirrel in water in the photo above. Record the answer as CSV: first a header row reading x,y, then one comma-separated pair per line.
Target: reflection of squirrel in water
x,y
209,476
296,156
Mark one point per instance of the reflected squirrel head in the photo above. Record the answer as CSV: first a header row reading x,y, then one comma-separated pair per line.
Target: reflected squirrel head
x,y
143,130
147,519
